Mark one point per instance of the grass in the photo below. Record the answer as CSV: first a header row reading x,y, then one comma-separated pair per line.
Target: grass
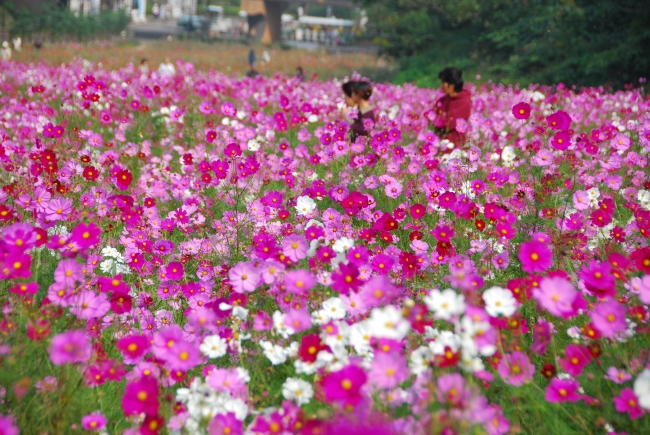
x,y
226,57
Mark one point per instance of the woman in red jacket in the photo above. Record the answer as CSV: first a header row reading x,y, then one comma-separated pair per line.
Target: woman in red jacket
x,y
454,105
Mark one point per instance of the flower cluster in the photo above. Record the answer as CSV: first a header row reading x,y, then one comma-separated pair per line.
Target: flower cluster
x,y
198,254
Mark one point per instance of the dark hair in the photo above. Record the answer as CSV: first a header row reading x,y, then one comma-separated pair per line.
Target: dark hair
x,y
453,76
362,89
348,88
299,69
143,60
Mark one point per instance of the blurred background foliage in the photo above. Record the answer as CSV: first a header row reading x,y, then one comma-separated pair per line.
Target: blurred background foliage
x,y
581,42
56,23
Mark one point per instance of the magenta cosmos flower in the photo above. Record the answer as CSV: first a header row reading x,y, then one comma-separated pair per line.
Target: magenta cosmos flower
x,y
562,390
7,426
535,256
576,359
70,347
94,421
521,110
175,271
244,277
516,369
345,385
58,209
141,396
628,402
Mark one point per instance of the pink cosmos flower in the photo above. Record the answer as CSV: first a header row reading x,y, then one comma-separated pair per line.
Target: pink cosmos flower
x,y
609,318
617,376
628,402
58,209
556,295
8,426
19,237
68,272
295,247
562,390
388,370
299,281
516,369
535,256
344,386
183,356
225,424
244,277
580,200
70,347
298,320
89,305
227,381
95,421
165,339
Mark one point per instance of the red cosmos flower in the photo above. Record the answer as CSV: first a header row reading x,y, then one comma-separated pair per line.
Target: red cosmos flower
x,y
121,302
210,136
310,345
549,371
123,179
479,224
448,359
141,397
521,110
417,211
152,425
38,89
641,258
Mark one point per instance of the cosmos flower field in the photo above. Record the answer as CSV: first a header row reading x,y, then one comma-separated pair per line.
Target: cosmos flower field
x,y
200,254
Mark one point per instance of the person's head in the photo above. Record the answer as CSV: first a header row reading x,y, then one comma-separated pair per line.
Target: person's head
x,y
143,61
452,80
168,60
299,70
348,94
5,44
361,91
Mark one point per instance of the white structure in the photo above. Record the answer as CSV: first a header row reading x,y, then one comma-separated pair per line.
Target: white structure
x,y
137,9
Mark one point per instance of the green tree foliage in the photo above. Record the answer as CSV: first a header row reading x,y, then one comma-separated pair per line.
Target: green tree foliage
x,y
56,23
582,42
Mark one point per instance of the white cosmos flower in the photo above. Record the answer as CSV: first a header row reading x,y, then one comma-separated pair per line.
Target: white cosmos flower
x,y
388,322
644,198
499,301
419,360
342,245
297,390
334,308
275,354
445,304
106,266
213,346
642,388
305,205
109,251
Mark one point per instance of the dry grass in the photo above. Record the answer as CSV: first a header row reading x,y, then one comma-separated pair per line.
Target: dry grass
x,y
222,56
